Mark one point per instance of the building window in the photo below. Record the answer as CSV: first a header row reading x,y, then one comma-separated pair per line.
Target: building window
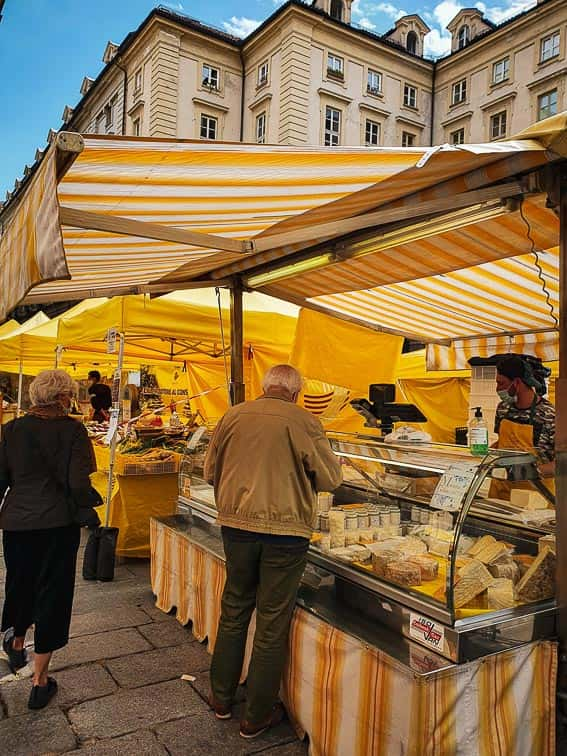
x,y
337,9
261,128
549,47
374,82
411,43
138,81
547,104
136,126
498,125
208,127
335,66
210,77
408,139
464,37
500,70
458,136
372,133
332,126
410,96
459,92
108,114
263,74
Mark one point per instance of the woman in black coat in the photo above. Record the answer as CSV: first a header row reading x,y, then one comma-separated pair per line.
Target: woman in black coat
x,y
45,462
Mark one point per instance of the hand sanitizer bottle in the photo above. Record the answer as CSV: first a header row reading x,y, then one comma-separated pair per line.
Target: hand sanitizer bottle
x,y
478,434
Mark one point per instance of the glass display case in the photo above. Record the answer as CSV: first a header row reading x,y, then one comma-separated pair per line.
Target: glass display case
x,y
453,551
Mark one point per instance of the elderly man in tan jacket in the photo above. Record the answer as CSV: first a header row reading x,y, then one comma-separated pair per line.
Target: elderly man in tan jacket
x,y
267,460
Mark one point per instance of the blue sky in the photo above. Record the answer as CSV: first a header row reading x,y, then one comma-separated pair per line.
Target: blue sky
x,y
48,46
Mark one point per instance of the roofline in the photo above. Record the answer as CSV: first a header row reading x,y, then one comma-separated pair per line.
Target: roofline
x,y
495,28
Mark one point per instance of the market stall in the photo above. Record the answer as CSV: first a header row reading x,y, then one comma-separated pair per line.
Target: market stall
x,y
376,231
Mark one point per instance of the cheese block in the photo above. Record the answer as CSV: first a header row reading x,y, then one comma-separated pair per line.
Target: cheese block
x,y
481,544
508,570
462,561
351,537
413,545
539,581
524,562
337,528
365,536
547,540
381,559
492,552
403,573
478,602
500,594
527,499
472,580
428,567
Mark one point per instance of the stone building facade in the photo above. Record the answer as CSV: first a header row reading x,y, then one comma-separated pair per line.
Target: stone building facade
x,y
307,76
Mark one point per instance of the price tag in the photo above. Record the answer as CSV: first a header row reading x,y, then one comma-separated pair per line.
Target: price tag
x,y
112,425
452,487
111,335
196,437
426,631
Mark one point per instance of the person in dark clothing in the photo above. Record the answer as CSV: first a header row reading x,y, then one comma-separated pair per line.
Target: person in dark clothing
x,y
46,459
101,397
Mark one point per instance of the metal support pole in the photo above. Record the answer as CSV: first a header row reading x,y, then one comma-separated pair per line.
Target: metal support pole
x,y
237,387
561,456
20,387
116,393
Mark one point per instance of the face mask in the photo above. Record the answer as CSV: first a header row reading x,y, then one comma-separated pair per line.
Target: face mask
x,y
505,397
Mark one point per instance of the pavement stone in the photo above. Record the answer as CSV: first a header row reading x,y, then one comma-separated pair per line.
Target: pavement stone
x,y
99,622
139,567
298,748
164,634
129,710
141,743
202,685
203,733
42,732
104,597
150,608
156,666
89,648
121,575
75,685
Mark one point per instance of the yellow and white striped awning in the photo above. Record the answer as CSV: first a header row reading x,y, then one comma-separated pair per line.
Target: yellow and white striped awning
x,y
169,211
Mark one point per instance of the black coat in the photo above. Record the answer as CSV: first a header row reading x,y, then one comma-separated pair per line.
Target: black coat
x,y
45,466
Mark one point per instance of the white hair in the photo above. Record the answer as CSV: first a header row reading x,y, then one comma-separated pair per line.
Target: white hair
x,y
283,376
50,384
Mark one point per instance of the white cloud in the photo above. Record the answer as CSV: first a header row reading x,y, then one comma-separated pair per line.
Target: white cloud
x,y
174,6
355,8
437,43
366,23
446,11
241,27
509,8
390,10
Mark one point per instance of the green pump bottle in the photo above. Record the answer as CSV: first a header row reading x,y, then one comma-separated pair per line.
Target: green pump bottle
x,y
478,434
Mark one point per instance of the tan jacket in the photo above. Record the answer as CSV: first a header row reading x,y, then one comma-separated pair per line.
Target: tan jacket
x,y
267,460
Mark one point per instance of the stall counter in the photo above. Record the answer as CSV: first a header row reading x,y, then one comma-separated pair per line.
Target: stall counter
x,y
361,690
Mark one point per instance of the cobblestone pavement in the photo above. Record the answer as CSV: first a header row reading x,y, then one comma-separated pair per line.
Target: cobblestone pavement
x,y
120,690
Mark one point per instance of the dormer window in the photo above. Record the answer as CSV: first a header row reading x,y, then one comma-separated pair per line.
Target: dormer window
x,y
411,43
464,36
337,9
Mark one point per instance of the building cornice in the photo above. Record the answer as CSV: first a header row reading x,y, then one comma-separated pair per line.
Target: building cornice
x,y
374,109
457,118
334,95
209,104
499,101
410,122
547,79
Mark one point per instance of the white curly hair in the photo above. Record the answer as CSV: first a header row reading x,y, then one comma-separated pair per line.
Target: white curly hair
x,y
49,385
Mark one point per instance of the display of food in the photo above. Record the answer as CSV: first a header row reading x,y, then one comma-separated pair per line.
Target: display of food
x,y
403,573
538,583
472,580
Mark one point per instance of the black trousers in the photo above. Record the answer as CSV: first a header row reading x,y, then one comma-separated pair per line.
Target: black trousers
x,y
40,583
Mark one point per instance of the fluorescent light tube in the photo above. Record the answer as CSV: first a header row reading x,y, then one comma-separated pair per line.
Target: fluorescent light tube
x,y
304,266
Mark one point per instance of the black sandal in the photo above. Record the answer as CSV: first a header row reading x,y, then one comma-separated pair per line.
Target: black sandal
x,y
17,658
41,695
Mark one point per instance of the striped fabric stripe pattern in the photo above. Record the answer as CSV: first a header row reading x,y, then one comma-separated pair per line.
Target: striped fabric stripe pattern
x,y
351,698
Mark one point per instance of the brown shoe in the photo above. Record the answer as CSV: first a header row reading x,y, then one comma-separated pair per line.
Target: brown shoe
x,y
249,730
222,711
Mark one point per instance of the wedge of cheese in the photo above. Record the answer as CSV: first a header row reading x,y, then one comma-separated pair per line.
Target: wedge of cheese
x,y
523,497
508,570
492,553
500,594
538,583
473,579
481,544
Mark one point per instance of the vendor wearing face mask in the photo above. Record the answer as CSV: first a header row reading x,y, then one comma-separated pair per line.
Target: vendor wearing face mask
x,y
524,419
